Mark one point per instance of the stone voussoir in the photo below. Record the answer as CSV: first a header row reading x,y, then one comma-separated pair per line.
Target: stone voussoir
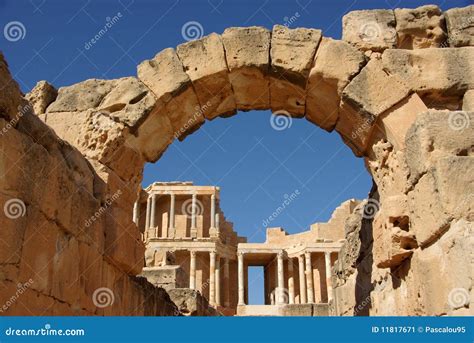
x,y
247,51
204,62
292,53
364,99
165,76
335,64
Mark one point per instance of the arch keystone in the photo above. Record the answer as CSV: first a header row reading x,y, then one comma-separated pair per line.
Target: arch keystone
x,y
247,52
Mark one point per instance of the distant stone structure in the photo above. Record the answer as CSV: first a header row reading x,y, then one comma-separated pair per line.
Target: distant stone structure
x,y
190,244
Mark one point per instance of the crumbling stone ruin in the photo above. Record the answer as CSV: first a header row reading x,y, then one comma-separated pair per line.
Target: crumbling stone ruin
x,y
398,88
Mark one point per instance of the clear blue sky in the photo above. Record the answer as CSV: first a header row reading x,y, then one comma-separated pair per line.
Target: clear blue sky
x,y
255,165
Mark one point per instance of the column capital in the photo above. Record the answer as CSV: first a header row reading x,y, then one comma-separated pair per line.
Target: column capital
x,y
281,254
193,253
212,253
240,254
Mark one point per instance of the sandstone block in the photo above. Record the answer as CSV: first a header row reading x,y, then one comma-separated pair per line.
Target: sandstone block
x,y
437,134
468,101
448,190
41,96
165,76
204,61
292,52
129,102
443,272
370,29
247,51
421,27
335,64
364,99
81,96
13,228
460,24
394,123
437,75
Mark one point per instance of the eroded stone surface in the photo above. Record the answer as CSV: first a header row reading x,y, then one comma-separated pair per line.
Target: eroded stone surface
x,y
420,28
292,53
41,96
335,64
460,24
247,52
370,29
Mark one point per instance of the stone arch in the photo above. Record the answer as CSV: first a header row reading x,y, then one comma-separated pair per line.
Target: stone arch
x,y
402,110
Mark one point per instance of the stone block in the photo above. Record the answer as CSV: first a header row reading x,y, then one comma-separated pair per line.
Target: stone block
x,y
437,134
370,29
247,51
81,96
335,64
421,27
204,61
439,76
364,99
460,24
292,52
165,76
393,124
41,96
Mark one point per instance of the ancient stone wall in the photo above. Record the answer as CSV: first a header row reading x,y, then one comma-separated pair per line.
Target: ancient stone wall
x,y
397,88
58,243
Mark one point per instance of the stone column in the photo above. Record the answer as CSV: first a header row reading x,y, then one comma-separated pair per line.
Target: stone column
x,y
147,218
241,278
226,283
218,281
192,270
212,278
171,228
153,214
281,279
136,212
302,279
193,217
309,278
213,211
327,258
291,282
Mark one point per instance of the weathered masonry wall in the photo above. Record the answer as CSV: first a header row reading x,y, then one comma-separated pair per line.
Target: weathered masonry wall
x,y
398,88
58,239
